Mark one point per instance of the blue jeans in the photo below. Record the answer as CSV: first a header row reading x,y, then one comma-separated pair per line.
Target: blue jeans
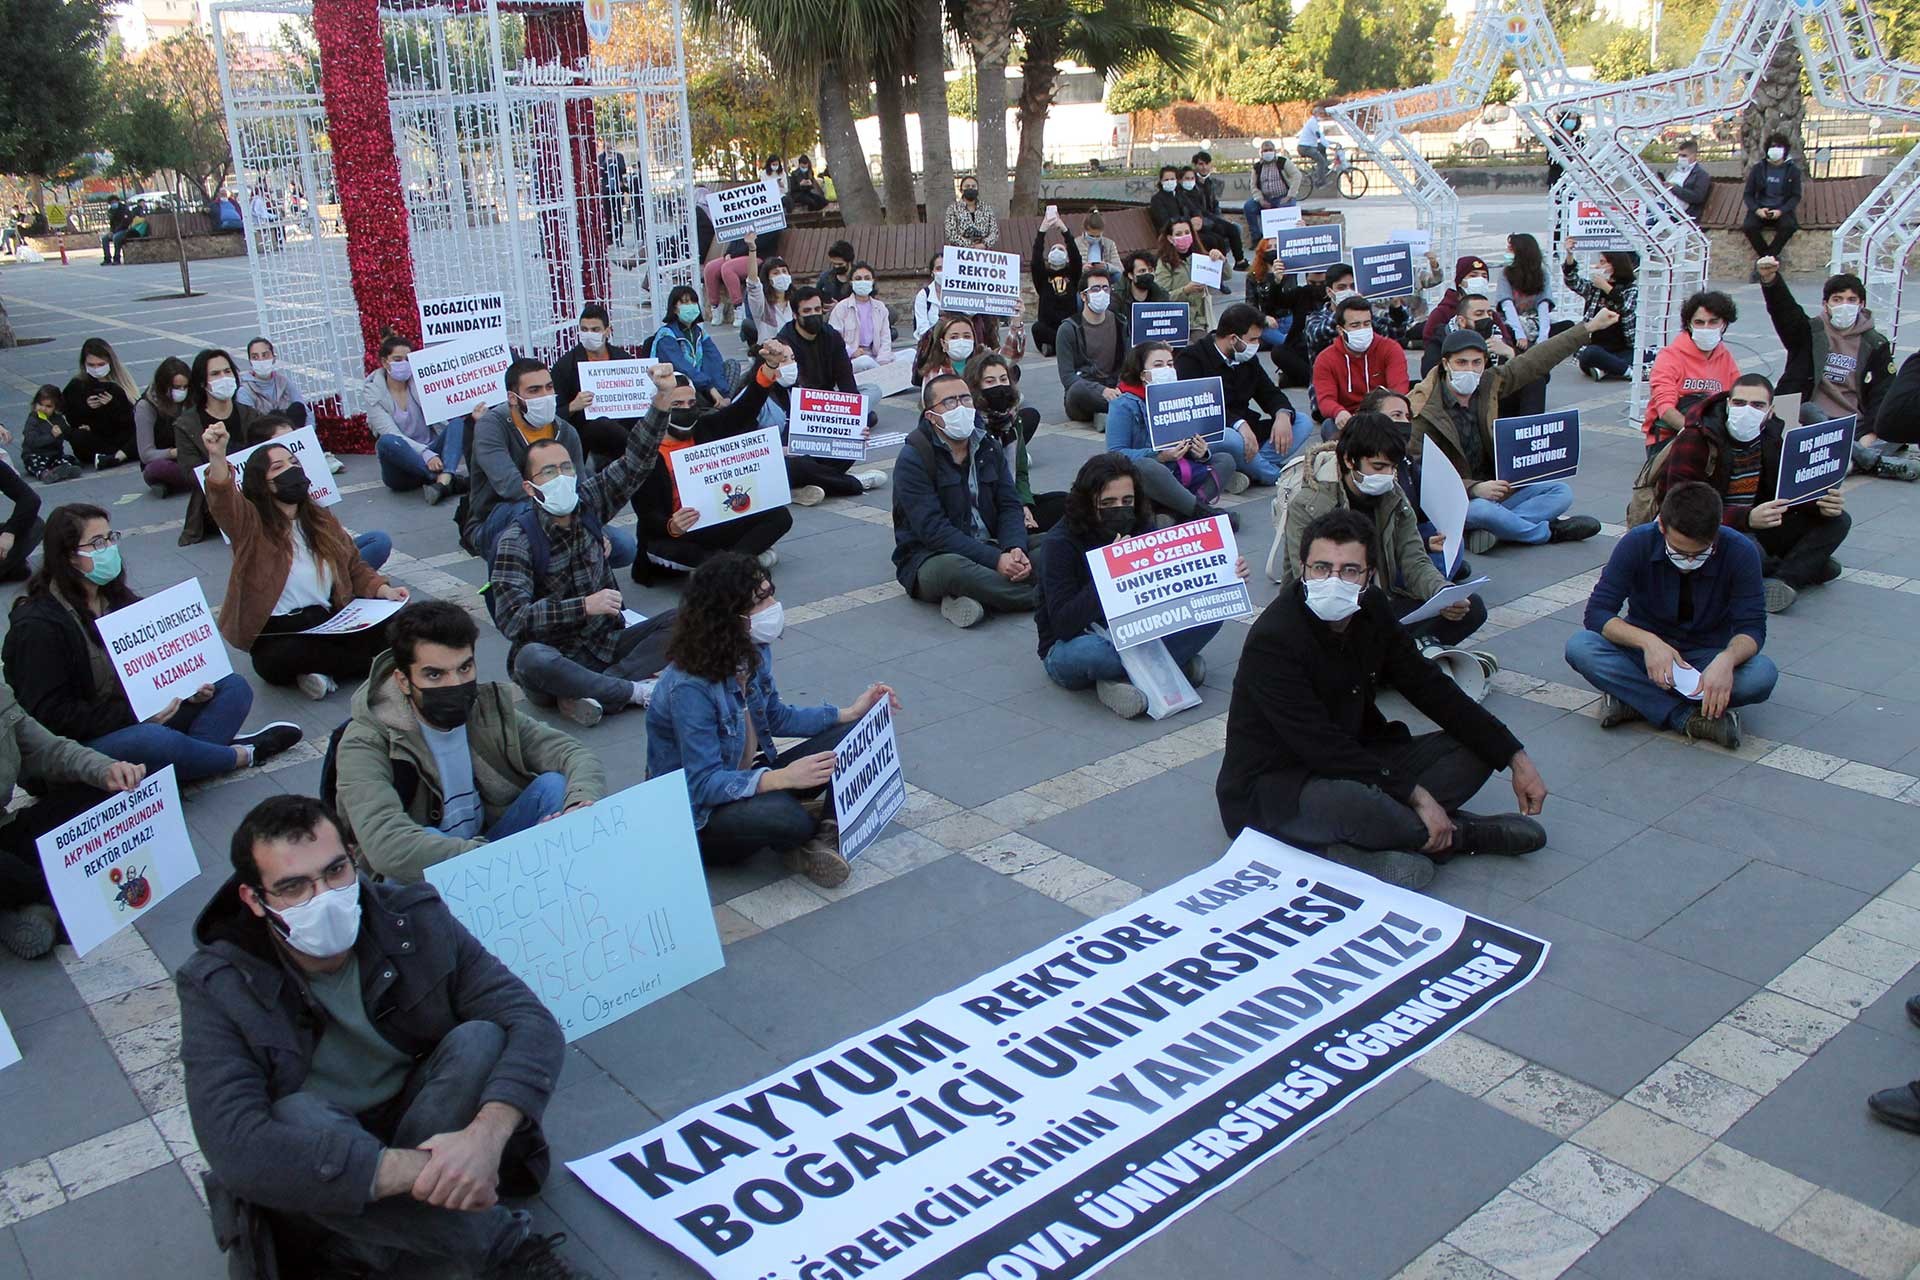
x,y
1077,663
544,797
374,547
197,742
1621,672
1611,364
1524,515
442,1095
403,469
1251,212
625,543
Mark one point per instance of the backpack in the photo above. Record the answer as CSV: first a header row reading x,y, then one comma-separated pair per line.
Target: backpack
x,y
1643,503
1197,478
1293,474
406,779
539,549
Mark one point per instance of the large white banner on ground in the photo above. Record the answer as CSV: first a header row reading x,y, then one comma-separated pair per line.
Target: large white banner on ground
x,y
1049,1116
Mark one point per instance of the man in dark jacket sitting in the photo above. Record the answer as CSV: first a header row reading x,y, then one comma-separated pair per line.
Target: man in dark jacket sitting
x,y
1311,760
358,1066
959,532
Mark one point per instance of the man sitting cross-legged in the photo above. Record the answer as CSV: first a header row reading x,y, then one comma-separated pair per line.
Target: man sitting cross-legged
x,y
1695,612
364,1078
1311,760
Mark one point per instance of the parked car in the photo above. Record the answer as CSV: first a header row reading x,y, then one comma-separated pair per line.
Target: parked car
x,y
1498,127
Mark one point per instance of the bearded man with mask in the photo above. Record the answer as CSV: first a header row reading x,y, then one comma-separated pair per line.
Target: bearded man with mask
x,y
365,1080
433,762
1310,759
551,588
959,532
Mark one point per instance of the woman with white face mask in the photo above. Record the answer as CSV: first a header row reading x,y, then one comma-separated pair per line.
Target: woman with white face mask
x,y
153,417
1183,477
265,387
863,321
769,291
99,407
213,387
1771,196
1055,265
716,712
947,348
414,454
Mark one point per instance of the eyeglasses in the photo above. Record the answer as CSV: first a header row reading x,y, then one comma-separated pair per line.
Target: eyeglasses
x,y
552,471
954,402
1319,569
293,891
102,542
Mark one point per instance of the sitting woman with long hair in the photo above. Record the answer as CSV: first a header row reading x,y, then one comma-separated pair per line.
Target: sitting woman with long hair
x,y
294,567
716,712
62,673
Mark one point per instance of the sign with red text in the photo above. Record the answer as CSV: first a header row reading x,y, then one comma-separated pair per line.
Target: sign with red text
x,y
1593,224
1045,1118
1156,584
304,445
565,907
165,647
451,376
828,424
357,615
732,478
110,865
621,388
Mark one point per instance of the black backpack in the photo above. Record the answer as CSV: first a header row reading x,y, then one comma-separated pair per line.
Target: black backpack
x,y
406,779
539,549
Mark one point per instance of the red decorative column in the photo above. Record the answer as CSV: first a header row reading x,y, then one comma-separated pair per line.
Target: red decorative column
x,y
557,37
353,84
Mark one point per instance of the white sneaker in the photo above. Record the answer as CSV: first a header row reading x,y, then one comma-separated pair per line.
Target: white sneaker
x,y
962,611
768,558
643,693
335,465
871,480
1238,482
809,495
1122,698
315,685
585,712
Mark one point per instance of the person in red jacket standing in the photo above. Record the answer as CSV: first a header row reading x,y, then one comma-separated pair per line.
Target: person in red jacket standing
x,y
1355,365
1695,364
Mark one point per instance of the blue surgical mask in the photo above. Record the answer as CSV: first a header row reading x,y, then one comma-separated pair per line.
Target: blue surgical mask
x,y
106,565
688,312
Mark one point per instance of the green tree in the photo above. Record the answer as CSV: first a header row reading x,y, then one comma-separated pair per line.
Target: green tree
x,y
1224,41
1624,58
1899,23
49,96
1366,44
1504,88
1146,88
1274,80
963,95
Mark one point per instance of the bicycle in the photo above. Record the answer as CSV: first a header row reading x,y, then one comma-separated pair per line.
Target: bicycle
x,y
1347,178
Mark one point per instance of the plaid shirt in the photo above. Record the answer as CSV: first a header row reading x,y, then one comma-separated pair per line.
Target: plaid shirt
x,y
553,609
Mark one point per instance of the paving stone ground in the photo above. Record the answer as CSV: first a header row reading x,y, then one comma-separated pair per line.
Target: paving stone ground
x,y
1679,1094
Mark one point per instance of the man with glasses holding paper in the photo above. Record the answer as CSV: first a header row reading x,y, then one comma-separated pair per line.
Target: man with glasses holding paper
x,y
364,1078
1310,759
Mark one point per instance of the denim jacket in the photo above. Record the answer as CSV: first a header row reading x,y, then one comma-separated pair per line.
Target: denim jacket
x,y
700,726
691,352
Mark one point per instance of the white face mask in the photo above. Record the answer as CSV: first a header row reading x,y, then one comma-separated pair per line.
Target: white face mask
x,y
1162,373
262,368
326,924
558,496
540,410
1056,257
1358,339
1776,154
592,339
1844,314
956,424
788,374
1332,599
1376,484
780,280
223,388
863,288
1186,184
1744,422
1706,339
959,348
1168,184
1478,285
765,626
177,394
1688,564
1267,155
1463,381
1245,354
1098,300
99,372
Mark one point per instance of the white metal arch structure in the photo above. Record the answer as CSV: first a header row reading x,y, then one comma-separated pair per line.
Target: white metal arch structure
x,y
1496,29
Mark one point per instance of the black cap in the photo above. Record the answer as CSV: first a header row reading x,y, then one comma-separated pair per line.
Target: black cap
x,y
1462,340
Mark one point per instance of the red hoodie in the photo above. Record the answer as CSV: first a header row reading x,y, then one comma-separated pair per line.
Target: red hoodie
x,y
1342,377
1680,370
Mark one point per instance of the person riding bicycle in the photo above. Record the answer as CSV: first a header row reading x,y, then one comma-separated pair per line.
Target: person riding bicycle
x,y
1312,144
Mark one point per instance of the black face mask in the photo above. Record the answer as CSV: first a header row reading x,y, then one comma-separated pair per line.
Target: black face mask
x,y
809,325
969,194
1000,399
446,706
290,485
1117,521
681,422
1484,326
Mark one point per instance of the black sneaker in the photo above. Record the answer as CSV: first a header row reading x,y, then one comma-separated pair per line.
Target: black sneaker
x,y
270,740
1724,729
1572,528
1614,713
538,1258
1828,571
1898,1106
1506,834
1201,511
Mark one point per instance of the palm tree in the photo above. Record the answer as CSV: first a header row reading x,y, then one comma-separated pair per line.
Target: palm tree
x,y
809,43
1778,105
930,87
989,29
1106,35
896,149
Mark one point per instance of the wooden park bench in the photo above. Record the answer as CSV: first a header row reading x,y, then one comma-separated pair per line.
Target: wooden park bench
x,y
196,232
1824,205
